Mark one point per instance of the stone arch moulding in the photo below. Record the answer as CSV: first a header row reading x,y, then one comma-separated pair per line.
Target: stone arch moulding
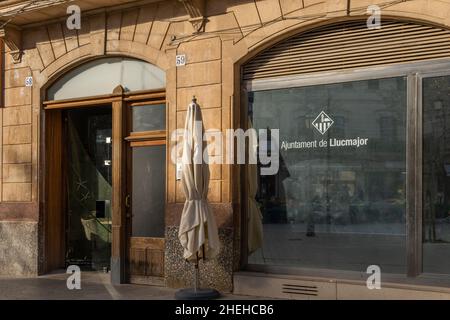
x,y
79,56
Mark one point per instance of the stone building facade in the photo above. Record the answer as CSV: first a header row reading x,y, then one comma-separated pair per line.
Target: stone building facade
x,y
217,38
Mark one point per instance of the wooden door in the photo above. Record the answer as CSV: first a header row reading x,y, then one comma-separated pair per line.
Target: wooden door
x,y
146,198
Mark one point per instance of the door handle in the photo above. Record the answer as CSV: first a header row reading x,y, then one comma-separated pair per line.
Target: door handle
x,y
127,201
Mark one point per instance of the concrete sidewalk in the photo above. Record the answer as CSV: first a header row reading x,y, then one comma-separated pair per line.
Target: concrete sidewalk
x,y
94,286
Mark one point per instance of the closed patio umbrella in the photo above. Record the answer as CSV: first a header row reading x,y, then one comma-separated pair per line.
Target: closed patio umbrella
x,y
198,229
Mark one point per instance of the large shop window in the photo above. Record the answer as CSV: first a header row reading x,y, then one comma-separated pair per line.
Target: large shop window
x,y
338,200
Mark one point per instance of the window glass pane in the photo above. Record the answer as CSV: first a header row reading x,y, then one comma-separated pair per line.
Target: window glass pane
x,y
148,199
89,189
149,117
436,175
338,199
101,76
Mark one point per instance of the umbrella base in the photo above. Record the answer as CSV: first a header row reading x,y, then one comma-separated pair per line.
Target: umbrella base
x,y
199,294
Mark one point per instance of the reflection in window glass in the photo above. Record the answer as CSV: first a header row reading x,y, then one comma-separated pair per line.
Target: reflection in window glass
x,y
89,187
149,117
339,205
436,175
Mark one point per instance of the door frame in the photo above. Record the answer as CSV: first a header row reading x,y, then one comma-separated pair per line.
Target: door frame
x,y
137,140
53,192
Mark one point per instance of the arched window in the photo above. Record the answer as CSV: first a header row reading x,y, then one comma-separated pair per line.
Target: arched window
x,y
101,76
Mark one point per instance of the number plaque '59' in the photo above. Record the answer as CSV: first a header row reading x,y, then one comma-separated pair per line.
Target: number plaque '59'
x,y
180,60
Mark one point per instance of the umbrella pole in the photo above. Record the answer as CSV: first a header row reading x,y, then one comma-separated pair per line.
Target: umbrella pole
x,y
196,274
197,293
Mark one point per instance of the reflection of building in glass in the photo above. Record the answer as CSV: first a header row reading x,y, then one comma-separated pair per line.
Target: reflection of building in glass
x,y
328,190
436,159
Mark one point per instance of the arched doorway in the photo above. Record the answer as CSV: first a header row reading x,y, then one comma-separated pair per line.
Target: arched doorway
x,y
105,160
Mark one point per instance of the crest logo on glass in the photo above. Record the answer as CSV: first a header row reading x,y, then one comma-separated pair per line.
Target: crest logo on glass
x,y
323,122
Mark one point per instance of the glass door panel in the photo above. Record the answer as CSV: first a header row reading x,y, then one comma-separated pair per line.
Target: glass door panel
x,y
88,178
148,197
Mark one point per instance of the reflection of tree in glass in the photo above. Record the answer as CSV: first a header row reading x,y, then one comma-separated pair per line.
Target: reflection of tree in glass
x,y
436,155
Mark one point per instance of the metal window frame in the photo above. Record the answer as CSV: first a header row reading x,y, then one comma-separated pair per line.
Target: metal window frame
x,y
414,73
370,73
